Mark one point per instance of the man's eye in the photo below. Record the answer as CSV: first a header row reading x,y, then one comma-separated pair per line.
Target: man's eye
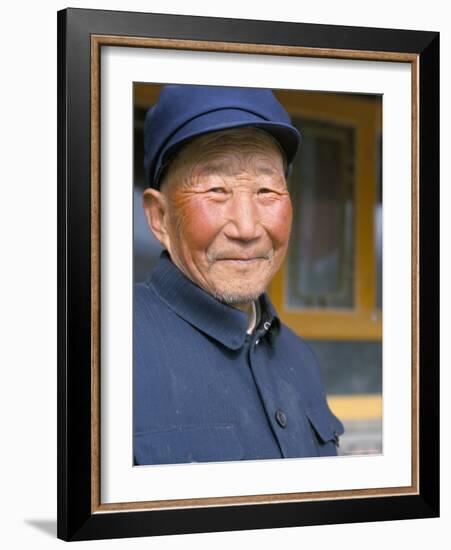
x,y
265,190
217,190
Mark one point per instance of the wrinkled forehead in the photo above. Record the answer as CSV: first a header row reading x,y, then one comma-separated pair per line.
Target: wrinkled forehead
x,y
221,152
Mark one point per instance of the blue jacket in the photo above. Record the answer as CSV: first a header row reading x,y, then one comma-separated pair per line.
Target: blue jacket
x,y
206,391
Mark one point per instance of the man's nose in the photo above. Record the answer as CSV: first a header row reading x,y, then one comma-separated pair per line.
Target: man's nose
x,y
243,218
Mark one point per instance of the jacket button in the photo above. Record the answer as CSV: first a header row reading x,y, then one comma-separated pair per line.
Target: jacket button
x,y
281,418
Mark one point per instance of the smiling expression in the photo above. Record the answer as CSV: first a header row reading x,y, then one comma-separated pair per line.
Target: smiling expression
x,y
224,213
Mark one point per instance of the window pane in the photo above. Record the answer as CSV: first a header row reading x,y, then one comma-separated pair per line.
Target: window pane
x,y
321,253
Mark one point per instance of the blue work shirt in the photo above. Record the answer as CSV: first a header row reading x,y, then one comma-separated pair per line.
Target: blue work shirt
x,y
206,391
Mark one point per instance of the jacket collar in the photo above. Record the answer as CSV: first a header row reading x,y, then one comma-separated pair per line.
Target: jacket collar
x,y
220,321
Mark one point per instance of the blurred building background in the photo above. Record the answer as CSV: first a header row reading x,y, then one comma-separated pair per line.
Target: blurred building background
x,y
329,289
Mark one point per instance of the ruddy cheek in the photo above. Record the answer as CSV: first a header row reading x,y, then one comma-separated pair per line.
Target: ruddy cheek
x,y
201,223
278,221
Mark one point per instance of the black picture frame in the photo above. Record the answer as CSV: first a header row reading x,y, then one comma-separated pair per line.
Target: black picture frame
x,y
79,514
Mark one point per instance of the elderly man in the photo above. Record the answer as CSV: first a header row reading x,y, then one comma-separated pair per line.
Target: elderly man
x,y
217,376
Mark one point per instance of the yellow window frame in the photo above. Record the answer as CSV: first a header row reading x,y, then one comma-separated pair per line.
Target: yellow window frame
x,y
364,320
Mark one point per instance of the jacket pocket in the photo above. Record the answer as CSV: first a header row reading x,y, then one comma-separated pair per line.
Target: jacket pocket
x,y
182,444
327,429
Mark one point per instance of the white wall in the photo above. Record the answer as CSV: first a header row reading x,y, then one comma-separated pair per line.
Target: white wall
x,y
28,274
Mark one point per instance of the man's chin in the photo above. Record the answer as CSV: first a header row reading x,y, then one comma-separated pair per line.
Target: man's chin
x,y
234,297
233,286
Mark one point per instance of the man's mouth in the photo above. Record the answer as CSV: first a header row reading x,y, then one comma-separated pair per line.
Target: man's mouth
x,y
243,261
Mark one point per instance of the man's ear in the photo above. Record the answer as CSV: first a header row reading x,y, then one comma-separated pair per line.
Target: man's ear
x,y
155,206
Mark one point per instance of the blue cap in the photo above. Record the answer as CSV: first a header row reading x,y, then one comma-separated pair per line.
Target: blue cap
x,y
187,111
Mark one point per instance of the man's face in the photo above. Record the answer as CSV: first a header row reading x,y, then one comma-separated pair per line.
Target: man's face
x,y
227,213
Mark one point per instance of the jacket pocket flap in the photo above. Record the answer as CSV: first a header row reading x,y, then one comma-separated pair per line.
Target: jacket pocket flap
x,y
188,444
325,423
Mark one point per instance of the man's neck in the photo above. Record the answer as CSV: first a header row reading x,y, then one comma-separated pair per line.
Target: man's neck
x,y
246,307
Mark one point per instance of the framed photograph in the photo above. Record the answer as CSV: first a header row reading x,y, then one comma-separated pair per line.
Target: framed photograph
x,y
195,444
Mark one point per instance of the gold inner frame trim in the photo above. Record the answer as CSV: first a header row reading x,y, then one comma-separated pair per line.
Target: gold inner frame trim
x,y
97,41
